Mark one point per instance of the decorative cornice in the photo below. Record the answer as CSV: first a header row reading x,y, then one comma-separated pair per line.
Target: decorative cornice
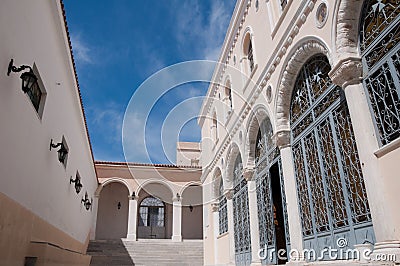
x,y
347,71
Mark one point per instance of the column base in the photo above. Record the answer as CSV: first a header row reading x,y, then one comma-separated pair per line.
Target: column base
x,y
387,251
131,237
177,238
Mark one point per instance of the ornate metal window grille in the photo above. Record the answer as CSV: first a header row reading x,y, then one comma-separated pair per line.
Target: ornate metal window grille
x,y
330,185
380,48
152,212
267,155
222,211
241,217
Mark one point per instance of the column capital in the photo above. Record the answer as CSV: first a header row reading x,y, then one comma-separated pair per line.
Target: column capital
x,y
347,71
133,198
248,173
214,206
228,193
282,138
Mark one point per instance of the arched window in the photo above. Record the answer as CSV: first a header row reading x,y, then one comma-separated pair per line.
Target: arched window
x,y
380,51
330,184
241,218
222,210
248,53
151,212
214,128
228,94
271,199
283,4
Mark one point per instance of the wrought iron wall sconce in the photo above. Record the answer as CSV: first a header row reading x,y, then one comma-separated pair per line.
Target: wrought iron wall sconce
x,y
133,195
86,202
28,78
178,197
119,205
78,184
62,152
190,207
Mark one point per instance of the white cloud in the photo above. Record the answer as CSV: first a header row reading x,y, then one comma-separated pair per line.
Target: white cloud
x,y
208,34
82,52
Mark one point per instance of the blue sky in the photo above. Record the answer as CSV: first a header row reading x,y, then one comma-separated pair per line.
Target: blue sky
x,y
119,44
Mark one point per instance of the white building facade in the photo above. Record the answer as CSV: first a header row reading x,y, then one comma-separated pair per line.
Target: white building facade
x,y
301,135
47,174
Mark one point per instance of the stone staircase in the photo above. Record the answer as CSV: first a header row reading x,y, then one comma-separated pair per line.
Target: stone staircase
x,y
146,252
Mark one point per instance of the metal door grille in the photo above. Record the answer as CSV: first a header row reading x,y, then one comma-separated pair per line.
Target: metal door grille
x,y
330,185
241,217
222,211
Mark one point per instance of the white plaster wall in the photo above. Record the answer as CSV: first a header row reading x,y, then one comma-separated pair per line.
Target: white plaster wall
x,y
33,32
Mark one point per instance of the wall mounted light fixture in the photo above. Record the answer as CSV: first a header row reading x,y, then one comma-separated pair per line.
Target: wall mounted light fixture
x,y
119,205
190,207
86,202
78,184
178,197
28,77
62,152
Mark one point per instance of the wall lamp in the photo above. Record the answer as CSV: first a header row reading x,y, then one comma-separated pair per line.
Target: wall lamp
x,y
191,208
28,78
62,152
86,202
119,205
178,197
78,184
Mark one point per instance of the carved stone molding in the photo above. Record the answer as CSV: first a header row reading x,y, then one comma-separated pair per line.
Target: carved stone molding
x,y
248,173
347,71
282,138
295,63
214,206
228,193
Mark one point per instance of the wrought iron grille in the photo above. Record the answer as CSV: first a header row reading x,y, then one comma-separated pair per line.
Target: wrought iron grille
x,y
330,185
250,56
222,210
241,217
151,212
267,154
380,47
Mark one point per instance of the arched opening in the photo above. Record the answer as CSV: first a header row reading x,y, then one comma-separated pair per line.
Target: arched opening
x,y
241,217
112,213
271,199
192,212
222,209
228,96
154,212
248,53
214,128
330,186
380,51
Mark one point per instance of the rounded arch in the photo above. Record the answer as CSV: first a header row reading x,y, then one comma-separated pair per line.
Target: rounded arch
x,y
113,180
191,183
247,35
293,64
234,151
346,27
154,181
258,114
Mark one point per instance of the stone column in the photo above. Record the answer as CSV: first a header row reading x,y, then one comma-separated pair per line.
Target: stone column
x,y
214,209
382,190
253,213
94,222
292,204
132,218
177,219
229,207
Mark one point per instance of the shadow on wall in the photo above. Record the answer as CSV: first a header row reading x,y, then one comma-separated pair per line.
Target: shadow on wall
x,y
109,252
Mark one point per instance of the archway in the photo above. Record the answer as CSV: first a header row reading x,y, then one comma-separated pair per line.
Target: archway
x,y
154,211
112,213
192,212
